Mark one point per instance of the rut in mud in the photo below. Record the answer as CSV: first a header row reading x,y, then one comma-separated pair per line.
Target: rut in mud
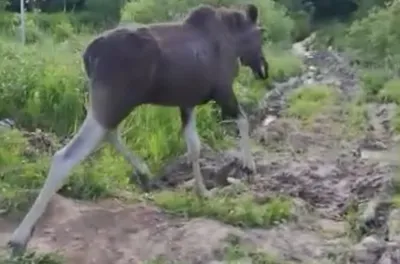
x,y
326,174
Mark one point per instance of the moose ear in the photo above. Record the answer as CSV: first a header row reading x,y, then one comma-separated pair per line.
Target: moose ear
x,y
252,12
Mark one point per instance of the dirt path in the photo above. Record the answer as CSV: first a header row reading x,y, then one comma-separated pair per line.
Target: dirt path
x,y
324,173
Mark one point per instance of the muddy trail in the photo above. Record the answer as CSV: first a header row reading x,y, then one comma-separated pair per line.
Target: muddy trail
x,y
326,174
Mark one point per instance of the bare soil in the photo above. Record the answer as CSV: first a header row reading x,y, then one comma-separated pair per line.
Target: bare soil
x,y
326,173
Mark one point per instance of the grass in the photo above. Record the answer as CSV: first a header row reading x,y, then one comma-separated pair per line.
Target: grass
x,y
282,64
236,253
239,210
33,258
390,92
355,114
380,86
306,102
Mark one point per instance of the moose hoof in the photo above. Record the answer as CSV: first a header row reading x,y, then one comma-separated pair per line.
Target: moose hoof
x,y
17,248
202,192
142,180
18,243
249,168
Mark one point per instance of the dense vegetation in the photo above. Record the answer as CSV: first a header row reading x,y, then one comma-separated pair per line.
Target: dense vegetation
x,y
42,86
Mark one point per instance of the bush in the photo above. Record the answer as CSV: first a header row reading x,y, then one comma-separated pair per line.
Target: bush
x,y
374,40
108,10
42,86
372,81
390,92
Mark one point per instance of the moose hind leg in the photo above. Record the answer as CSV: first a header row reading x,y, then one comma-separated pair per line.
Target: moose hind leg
x,y
83,143
141,170
188,118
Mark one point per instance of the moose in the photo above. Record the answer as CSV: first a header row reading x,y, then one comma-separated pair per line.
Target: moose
x,y
176,64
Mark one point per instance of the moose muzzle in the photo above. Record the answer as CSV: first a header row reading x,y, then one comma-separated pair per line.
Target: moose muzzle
x,y
262,70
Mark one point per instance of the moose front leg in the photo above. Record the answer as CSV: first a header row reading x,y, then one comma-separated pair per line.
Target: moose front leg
x,y
231,109
244,144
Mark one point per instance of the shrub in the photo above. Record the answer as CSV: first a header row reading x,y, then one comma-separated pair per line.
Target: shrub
x,y
374,40
372,81
42,86
109,11
390,92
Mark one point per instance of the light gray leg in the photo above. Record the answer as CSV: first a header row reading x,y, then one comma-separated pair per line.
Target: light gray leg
x,y
244,144
82,144
142,171
193,147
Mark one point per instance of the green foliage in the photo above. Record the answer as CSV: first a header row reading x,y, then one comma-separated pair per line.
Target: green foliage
x,y
355,113
109,10
3,5
390,92
374,40
240,210
372,81
33,258
42,86
302,25
310,100
282,64
331,33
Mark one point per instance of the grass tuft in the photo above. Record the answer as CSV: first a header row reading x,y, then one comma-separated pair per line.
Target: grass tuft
x,y
239,211
308,101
